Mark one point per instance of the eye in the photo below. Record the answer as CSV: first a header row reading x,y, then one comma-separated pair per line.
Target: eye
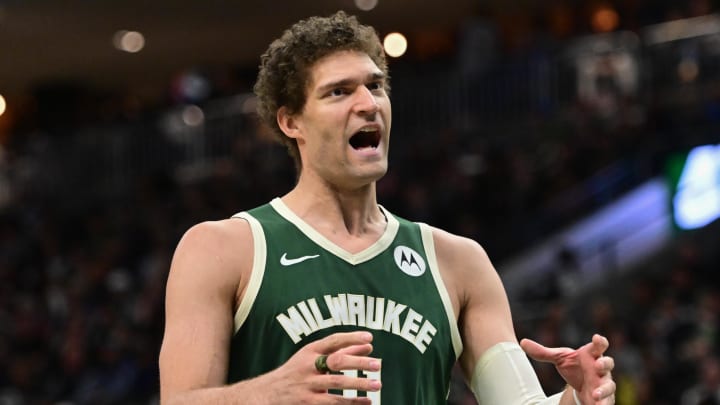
x,y
375,86
338,92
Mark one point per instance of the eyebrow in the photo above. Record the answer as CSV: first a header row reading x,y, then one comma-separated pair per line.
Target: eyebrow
x,y
372,77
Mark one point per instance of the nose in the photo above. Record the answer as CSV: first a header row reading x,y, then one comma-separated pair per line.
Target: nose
x,y
365,102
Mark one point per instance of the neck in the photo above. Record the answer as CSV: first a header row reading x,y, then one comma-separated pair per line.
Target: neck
x,y
351,212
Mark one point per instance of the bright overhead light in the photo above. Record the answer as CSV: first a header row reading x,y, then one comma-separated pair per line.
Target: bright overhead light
x,y
129,41
3,105
366,5
395,44
193,116
605,19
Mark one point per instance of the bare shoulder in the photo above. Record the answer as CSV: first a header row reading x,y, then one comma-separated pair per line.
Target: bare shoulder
x,y
446,241
463,253
477,293
464,265
214,251
215,236
207,272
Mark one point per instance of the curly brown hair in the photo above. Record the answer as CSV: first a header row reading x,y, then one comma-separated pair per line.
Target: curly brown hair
x,y
285,66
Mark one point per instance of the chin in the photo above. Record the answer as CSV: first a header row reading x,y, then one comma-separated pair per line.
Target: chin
x,y
377,168
360,178
374,175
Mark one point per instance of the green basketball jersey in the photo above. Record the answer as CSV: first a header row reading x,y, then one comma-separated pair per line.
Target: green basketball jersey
x,y
303,288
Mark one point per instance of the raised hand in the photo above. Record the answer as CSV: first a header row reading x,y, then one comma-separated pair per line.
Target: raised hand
x,y
585,369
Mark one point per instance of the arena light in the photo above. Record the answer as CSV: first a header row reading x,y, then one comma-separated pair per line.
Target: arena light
x,y
3,105
605,19
193,116
696,202
395,44
366,5
129,41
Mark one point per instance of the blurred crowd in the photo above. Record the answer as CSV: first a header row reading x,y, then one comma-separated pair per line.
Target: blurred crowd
x,y
662,321
83,265
81,297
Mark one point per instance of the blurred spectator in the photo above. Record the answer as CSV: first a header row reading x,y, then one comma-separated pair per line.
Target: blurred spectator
x,y
87,228
707,390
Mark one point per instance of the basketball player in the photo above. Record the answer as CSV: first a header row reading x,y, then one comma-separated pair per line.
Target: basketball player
x,y
323,296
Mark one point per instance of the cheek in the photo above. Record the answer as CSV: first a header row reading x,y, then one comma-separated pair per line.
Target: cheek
x,y
328,149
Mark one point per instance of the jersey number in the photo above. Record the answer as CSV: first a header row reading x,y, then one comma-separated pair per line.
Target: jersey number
x,y
375,375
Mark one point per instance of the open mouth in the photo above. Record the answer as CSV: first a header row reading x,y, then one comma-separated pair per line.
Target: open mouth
x,y
365,138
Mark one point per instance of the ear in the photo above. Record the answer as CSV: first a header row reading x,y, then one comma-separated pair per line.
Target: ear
x,y
288,123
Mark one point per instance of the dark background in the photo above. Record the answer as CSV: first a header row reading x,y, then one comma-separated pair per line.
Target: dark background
x,y
512,122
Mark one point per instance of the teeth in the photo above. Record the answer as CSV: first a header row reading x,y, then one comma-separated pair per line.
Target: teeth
x,y
367,129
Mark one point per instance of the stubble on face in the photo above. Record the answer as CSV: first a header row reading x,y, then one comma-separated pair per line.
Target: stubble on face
x,y
345,123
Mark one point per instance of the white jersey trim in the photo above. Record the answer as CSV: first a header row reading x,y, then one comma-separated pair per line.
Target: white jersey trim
x,y
353,258
429,243
258,269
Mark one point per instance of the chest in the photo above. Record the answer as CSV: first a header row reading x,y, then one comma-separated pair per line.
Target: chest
x,y
309,287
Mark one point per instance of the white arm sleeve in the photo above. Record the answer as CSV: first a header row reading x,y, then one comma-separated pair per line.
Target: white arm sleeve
x,y
504,375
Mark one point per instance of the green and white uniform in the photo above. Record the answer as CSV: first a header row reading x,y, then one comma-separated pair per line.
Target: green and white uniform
x,y
303,288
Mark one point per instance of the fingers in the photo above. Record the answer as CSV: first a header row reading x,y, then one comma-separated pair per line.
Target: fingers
x,y
336,361
605,391
357,350
599,345
604,365
542,353
345,382
335,399
338,341
532,348
346,352
338,400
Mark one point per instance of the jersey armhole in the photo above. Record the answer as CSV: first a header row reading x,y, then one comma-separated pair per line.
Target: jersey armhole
x,y
257,272
429,245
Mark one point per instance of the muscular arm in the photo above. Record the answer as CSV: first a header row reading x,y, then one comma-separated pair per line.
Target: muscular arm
x,y
201,289
485,324
211,266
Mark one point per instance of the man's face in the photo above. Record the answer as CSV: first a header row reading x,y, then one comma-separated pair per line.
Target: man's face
x,y
344,128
